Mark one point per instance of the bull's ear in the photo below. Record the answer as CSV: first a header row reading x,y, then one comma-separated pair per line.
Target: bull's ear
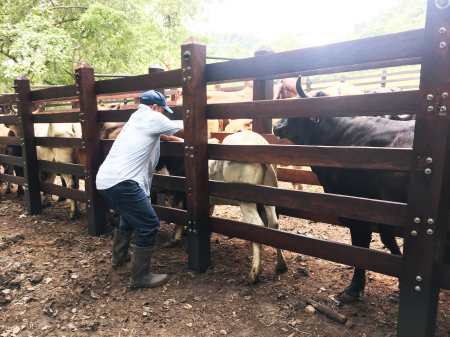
x,y
314,119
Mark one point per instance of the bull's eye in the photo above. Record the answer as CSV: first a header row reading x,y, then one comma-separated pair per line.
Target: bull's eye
x,y
288,90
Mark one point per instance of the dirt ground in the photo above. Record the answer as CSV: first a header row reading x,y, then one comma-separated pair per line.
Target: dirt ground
x,y
56,280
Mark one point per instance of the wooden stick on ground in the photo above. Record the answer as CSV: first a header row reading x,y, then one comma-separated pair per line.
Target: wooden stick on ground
x,y
327,311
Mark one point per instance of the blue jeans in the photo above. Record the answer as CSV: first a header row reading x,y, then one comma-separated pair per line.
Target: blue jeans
x,y
129,200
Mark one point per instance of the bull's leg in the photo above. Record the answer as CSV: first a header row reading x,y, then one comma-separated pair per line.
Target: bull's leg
x,y
19,173
63,182
250,213
8,170
273,223
71,183
387,235
361,235
49,177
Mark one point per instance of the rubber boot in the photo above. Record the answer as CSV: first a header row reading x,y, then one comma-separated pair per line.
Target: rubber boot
x,y
140,273
120,247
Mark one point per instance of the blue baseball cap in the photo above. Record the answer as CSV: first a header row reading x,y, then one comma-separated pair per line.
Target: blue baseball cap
x,y
154,97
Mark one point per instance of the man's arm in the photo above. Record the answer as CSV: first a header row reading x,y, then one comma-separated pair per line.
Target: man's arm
x,y
177,137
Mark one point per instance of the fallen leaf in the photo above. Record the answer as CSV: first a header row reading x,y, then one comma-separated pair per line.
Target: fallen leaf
x,y
187,306
292,335
48,280
74,276
189,324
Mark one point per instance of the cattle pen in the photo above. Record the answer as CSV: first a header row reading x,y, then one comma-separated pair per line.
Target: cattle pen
x,y
424,218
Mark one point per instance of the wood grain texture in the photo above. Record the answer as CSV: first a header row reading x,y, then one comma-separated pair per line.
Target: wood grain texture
x,y
65,192
9,119
59,142
58,117
375,49
95,205
11,160
68,91
379,262
394,103
74,169
377,211
123,115
171,215
297,176
12,179
166,79
302,155
10,141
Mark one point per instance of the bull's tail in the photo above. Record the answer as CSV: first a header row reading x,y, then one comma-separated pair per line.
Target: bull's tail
x,y
270,178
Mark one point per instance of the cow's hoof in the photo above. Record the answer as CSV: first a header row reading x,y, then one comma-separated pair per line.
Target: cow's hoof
x,y
73,216
171,244
346,298
62,199
282,267
185,231
251,278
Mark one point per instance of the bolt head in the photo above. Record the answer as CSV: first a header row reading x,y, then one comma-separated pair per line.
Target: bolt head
x,y
184,70
417,288
442,45
443,108
445,95
429,97
189,78
187,55
189,222
188,68
429,231
430,108
442,30
416,220
191,148
184,80
192,156
427,171
430,221
429,160
187,111
187,155
413,233
418,278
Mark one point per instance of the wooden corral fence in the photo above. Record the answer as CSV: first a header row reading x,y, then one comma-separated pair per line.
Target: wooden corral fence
x,y
423,218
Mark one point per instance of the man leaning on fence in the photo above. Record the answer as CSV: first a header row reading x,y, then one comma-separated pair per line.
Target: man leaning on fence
x,y
124,180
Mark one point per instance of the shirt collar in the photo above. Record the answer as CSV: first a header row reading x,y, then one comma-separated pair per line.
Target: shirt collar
x,y
144,107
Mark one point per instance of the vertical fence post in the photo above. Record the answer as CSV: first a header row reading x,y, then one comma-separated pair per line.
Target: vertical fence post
x,y
29,155
263,90
308,84
95,206
383,78
428,199
193,63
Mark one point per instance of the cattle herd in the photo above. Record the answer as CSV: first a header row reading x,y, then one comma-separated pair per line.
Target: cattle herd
x,y
383,131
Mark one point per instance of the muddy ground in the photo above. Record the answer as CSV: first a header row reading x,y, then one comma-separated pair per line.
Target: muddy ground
x,y
56,280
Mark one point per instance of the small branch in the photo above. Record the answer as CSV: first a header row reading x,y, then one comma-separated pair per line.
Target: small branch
x,y
64,7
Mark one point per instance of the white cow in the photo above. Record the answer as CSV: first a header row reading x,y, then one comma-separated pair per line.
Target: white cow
x,y
249,173
59,155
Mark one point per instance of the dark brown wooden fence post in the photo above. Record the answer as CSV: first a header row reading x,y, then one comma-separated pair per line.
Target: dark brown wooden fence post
x,y
383,78
263,90
193,63
31,173
428,200
95,206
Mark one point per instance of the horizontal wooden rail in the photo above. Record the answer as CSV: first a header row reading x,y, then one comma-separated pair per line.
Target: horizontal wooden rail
x,y
57,117
368,259
381,48
59,142
378,211
9,119
302,155
379,75
173,149
312,216
394,103
171,215
123,115
271,139
165,79
65,168
297,176
170,183
342,69
67,91
11,160
12,179
65,192
10,141
6,99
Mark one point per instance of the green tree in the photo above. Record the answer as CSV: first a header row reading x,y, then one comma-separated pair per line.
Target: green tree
x,y
45,39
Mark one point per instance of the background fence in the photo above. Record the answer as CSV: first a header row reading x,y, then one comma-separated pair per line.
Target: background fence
x,y
420,269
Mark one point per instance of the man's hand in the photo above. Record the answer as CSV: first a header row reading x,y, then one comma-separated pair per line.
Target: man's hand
x,y
171,139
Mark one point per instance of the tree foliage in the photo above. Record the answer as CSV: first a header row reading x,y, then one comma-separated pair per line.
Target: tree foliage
x,y
45,39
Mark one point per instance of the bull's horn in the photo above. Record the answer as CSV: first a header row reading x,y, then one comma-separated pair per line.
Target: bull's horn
x,y
14,111
299,88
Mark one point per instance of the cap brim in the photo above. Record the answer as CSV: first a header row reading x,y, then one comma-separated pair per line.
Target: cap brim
x,y
168,109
